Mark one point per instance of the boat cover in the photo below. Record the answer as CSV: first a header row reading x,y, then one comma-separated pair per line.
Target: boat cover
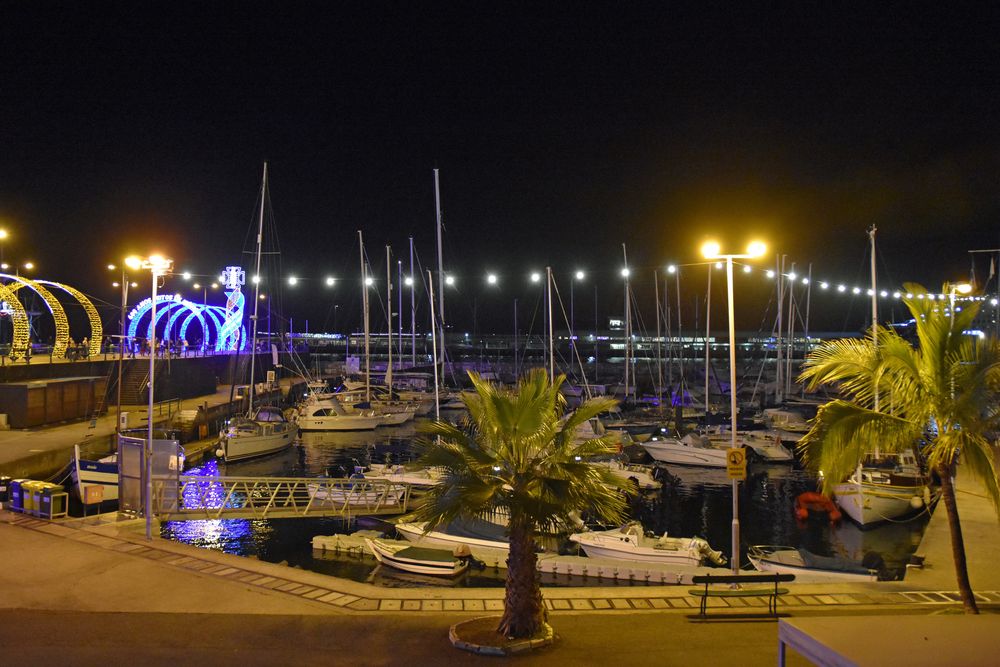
x,y
831,563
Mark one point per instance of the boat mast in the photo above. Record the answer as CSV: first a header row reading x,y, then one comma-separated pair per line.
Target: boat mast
x,y
779,369
256,289
364,313
628,325
871,236
552,357
437,392
659,355
791,333
708,320
680,342
441,280
388,314
413,310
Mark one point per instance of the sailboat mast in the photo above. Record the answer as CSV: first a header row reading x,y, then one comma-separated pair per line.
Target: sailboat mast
x,y
871,236
256,288
364,314
708,320
779,386
413,310
552,357
628,325
791,333
441,281
437,391
659,355
388,314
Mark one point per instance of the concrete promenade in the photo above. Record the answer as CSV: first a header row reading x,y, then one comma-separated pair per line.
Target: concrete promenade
x,y
93,590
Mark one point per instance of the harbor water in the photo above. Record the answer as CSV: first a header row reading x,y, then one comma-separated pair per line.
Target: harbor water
x,y
692,502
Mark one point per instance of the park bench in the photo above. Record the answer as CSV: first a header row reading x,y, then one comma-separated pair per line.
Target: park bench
x,y
734,592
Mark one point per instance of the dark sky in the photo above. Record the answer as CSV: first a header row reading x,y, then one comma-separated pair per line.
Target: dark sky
x,y
560,134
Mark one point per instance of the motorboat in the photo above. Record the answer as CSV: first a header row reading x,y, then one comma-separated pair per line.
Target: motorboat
x,y
693,449
327,414
356,491
266,432
630,542
807,566
785,420
420,560
642,474
476,535
767,446
429,476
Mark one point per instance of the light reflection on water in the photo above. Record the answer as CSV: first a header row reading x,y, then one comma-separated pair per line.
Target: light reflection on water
x,y
694,501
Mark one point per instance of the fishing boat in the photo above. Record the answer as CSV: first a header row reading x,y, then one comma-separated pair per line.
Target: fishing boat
x,y
630,542
265,430
420,560
102,472
692,450
807,566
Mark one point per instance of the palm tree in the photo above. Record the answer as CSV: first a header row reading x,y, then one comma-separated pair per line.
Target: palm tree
x,y
517,453
944,391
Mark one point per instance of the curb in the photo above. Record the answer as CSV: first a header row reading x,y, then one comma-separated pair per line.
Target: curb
x,y
547,639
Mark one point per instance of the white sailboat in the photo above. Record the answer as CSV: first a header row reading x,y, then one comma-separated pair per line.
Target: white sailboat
x,y
873,494
265,430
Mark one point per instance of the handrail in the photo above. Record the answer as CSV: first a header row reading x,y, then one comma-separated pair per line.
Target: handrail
x,y
263,497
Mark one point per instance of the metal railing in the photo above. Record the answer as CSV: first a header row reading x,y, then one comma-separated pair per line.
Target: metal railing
x,y
281,497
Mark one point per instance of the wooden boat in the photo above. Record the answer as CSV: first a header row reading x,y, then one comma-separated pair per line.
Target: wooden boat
x,y
87,473
807,566
418,560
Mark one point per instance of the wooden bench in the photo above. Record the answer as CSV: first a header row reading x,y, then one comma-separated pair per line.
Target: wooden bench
x,y
734,592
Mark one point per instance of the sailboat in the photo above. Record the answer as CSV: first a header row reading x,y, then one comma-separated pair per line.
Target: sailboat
x,y
265,430
881,490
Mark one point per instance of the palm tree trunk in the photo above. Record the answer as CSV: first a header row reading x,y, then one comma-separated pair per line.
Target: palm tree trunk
x,y
524,613
957,542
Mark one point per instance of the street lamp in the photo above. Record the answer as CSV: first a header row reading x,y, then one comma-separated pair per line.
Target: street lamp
x,y
710,250
956,288
492,279
158,266
578,275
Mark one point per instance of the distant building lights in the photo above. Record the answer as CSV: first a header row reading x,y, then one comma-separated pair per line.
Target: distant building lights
x,y
824,285
896,295
993,302
883,294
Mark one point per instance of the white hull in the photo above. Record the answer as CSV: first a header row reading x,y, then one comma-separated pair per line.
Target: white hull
x,y
629,543
395,418
398,473
790,562
395,556
676,451
868,503
360,494
339,423
414,532
241,447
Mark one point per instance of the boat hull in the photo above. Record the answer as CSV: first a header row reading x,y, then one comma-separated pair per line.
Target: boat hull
x,y
397,557
784,562
679,453
868,503
251,446
96,473
339,423
414,533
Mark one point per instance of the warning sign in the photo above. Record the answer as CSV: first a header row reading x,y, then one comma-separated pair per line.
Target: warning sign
x,y
736,463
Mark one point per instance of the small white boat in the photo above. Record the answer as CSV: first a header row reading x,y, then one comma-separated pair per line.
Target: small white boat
x,y
767,446
87,473
630,542
400,473
807,566
871,496
356,492
785,420
419,560
692,450
414,532
643,475
267,432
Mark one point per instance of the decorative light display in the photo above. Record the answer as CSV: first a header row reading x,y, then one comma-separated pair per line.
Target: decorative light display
x,y
55,308
61,341
19,319
96,328
231,336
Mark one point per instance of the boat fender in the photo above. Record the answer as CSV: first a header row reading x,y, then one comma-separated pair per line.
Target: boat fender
x,y
916,502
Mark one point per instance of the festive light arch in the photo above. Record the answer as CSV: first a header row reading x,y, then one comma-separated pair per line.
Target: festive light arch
x,y
55,308
176,314
19,319
96,328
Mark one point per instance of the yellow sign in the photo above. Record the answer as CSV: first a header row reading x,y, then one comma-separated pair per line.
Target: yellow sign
x,y
736,463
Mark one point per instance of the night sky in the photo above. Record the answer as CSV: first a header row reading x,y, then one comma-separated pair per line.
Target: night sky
x,y
560,134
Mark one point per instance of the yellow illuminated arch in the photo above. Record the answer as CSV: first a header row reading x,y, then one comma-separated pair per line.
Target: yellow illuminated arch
x,y
96,328
58,312
19,318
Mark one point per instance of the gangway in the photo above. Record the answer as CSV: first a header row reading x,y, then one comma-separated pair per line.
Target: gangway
x,y
279,498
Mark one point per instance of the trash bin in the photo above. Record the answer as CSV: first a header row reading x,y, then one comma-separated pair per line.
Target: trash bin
x,y
36,497
16,495
28,495
52,501
4,489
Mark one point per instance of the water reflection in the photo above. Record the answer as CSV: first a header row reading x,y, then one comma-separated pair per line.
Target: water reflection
x,y
692,502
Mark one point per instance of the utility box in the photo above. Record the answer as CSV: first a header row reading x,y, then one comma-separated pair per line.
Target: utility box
x,y
124,421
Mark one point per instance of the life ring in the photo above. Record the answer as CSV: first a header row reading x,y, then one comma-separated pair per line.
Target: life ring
x,y
811,501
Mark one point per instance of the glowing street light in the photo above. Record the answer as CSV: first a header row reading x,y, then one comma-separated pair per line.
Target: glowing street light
x,y
711,250
579,275
625,272
449,281
330,281
369,281
492,279
408,281
535,277
292,280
